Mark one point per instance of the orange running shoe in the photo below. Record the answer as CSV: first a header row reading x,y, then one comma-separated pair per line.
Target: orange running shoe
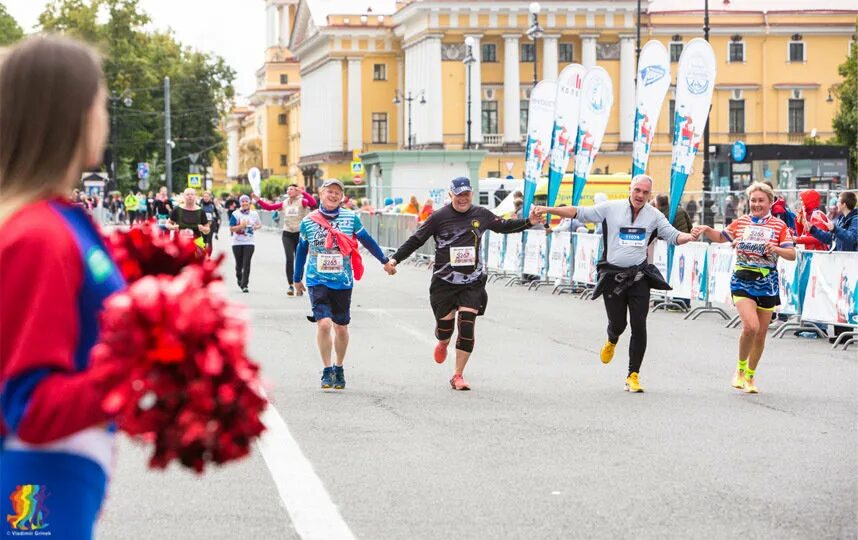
x,y
440,352
458,383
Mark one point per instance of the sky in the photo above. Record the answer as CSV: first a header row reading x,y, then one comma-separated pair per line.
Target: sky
x,y
233,29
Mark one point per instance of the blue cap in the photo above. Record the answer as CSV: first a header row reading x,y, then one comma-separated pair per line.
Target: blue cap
x,y
244,198
460,185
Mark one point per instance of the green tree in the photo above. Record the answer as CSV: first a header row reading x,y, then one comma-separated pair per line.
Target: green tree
x,y
846,120
10,30
135,64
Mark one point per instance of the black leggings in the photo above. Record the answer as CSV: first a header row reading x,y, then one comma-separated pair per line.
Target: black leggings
x,y
242,254
635,301
290,245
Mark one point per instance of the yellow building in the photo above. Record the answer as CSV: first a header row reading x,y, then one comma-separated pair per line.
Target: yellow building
x,y
362,71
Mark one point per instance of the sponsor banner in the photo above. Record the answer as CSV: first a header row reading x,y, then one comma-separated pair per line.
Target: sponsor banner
x,y
560,256
564,135
788,286
512,253
587,249
534,252
540,119
652,85
494,254
688,277
597,97
719,269
830,294
659,258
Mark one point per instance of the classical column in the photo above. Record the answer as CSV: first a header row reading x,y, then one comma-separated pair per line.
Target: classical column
x,y
433,111
232,157
355,120
270,25
476,93
549,56
627,88
283,25
588,50
511,84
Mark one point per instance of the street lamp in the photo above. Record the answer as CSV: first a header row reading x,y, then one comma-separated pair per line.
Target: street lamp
x,y
397,99
534,33
708,217
115,99
469,61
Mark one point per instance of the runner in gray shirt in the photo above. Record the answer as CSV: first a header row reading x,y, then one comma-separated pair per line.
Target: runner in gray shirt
x,y
625,276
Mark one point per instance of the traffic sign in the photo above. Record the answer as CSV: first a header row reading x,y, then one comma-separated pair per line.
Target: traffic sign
x,y
143,184
195,180
739,151
357,179
142,171
357,167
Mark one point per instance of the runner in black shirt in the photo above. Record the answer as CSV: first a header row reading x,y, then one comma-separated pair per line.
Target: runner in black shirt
x,y
188,218
459,280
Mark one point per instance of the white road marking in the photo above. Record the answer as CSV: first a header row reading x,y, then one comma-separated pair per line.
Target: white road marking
x,y
314,515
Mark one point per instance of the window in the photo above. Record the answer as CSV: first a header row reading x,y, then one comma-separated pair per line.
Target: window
x,y
675,51
284,78
379,127
737,116
284,161
490,117
523,107
671,112
565,52
281,119
796,51
489,53
527,52
379,72
737,52
796,116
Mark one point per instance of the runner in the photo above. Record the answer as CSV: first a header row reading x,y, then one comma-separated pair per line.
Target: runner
x,y
327,240
131,207
162,208
459,279
189,219
625,276
207,204
56,444
243,223
759,239
297,205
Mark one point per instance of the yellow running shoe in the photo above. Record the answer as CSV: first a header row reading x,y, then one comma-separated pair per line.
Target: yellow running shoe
x,y
750,387
607,353
633,383
738,380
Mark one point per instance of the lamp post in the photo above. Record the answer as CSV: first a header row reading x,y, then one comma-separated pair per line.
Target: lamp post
x,y
708,217
469,61
115,99
638,45
534,33
397,99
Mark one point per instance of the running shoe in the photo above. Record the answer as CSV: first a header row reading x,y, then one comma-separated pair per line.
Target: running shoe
x,y
291,291
750,387
607,353
339,378
458,383
327,377
245,289
633,383
738,380
440,352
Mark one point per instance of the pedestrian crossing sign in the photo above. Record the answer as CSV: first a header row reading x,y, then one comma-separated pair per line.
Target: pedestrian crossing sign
x,y
357,167
195,181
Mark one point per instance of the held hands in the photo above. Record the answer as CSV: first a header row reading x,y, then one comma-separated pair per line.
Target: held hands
x,y
698,230
535,218
390,267
299,288
539,210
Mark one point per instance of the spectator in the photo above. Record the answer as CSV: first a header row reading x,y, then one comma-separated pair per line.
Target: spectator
x,y
413,207
809,215
729,209
426,211
691,208
517,212
682,221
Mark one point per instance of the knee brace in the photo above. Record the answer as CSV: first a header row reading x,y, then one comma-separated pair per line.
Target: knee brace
x,y
465,337
444,329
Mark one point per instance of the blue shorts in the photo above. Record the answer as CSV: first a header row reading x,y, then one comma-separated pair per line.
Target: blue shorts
x,y
334,304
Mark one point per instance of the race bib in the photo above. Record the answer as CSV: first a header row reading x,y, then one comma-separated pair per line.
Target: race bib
x,y
754,240
632,236
463,256
162,222
187,232
209,216
292,211
329,263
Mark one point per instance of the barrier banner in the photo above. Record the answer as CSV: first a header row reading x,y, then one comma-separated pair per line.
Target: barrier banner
x,y
653,82
540,119
597,97
659,257
512,253
587,251
534,252
565,132
560,256
788,286
831,295
719,269
494,258
688,275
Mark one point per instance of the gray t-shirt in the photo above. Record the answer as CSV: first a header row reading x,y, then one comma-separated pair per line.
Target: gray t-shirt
x,y
626,240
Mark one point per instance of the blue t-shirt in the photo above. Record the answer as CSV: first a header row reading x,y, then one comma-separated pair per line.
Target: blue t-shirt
x,y
329,267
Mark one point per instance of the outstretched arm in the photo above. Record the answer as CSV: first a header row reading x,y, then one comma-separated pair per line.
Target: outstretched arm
x,y
267,205
420,236
371,245
508,226
710,234
308,200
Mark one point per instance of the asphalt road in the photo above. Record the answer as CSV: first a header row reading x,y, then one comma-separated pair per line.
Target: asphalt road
x,y
546,445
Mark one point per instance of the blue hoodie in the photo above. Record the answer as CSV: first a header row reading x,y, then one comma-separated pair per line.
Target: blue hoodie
x,y
844,235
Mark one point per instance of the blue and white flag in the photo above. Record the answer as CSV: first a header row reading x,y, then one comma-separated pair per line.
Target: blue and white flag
x,y
565,132
652,85
597,97
540,118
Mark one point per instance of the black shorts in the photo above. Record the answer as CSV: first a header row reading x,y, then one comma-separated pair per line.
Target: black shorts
x,y
445,297
334,304
768,303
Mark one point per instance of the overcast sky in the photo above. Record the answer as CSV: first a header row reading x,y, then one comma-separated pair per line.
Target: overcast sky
x,y
233,29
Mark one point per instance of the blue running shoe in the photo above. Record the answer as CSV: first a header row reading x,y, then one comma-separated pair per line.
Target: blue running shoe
x,y
327,377
339,378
